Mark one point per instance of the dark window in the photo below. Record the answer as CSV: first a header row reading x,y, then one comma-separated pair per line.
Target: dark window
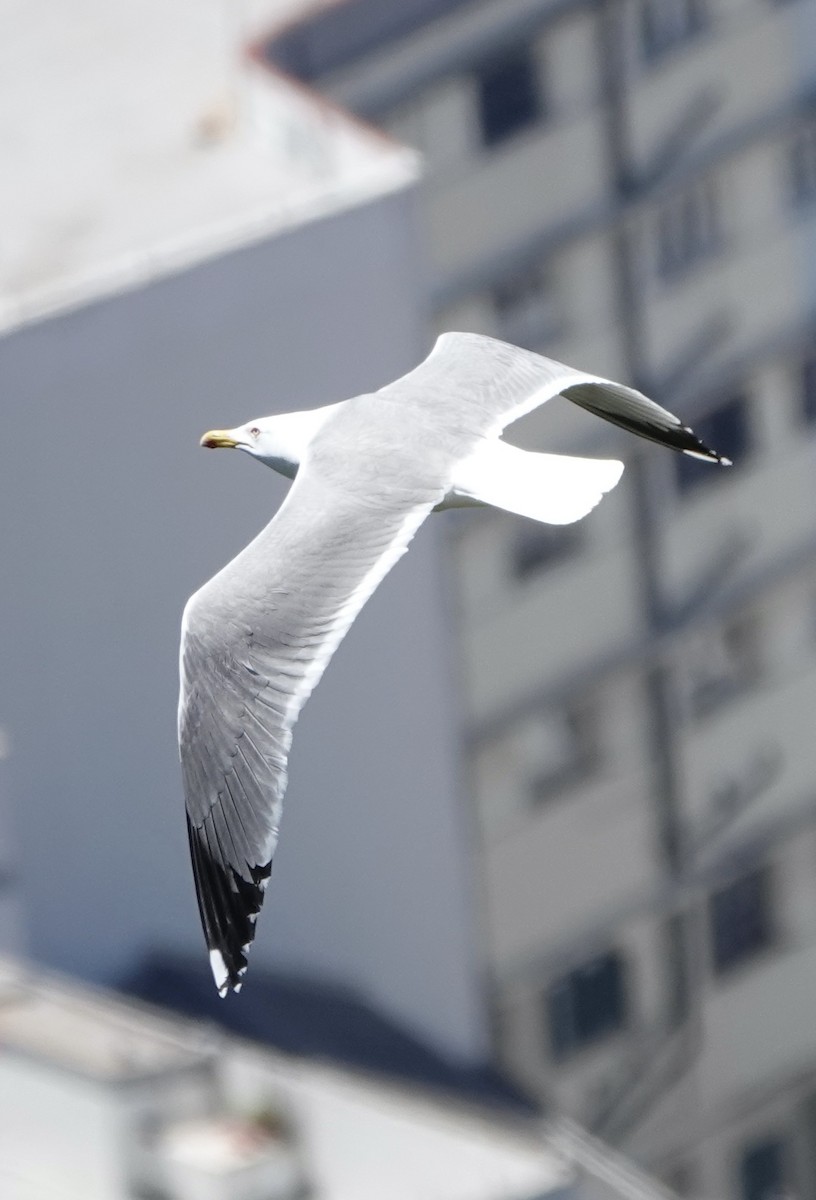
x,y
762,1171
688,229
569,750
726,430
722,661
665,24
542,545
509,96
803,165
587,1005
741,920
525,306
809,390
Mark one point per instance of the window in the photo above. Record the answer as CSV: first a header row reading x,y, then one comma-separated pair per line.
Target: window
x,y
565,751
720,662
762,1171
509,95
741,920
726,430
542,545
688,229
665,24
809,389
525,306
586,1005
803,165
538,757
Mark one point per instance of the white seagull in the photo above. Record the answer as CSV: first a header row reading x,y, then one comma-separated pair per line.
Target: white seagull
x,y
257,637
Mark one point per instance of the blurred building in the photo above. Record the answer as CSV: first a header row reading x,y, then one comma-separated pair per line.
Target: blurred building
x,y
630,185
101,1099
188,242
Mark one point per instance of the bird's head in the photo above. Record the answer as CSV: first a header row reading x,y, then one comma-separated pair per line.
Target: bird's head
x,y
264,438
254,437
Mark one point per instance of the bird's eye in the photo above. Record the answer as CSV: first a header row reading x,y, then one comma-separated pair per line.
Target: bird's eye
x,y
255,431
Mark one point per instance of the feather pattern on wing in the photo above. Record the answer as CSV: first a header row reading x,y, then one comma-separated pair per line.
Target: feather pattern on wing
x,y
256,640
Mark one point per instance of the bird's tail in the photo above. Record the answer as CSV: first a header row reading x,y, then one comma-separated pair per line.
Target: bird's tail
x,y
553,488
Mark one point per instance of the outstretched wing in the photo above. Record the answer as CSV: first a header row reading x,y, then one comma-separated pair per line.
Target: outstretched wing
x,y
258,636
484,384
256,640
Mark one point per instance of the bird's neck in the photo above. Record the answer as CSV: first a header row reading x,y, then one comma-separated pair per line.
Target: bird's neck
x,y
293,433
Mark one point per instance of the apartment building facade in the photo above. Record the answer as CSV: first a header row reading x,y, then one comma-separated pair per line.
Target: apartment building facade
x,y
630,185
105,1099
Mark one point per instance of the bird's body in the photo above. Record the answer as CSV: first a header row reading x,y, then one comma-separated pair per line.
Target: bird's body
x,y
368,471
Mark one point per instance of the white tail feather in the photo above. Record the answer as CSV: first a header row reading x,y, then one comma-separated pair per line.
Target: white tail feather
x,y
553,488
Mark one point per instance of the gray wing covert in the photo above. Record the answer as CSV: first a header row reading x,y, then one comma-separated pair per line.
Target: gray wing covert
x,y
255,641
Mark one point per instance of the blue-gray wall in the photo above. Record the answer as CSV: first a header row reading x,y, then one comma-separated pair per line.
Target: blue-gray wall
x,y
112,516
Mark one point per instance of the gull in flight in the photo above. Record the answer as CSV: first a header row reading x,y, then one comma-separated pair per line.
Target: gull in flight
x,y
257,637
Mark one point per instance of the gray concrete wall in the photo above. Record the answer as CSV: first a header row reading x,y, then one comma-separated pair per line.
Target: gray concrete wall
x,y
112,516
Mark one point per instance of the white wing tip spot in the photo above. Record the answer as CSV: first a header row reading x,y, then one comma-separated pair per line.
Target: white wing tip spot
x,y
220,972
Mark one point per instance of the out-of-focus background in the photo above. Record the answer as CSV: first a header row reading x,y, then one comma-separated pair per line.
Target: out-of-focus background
x,y
543,918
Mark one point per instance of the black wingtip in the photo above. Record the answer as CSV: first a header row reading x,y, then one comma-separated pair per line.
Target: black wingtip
x,y
686,440
681,438
635,413
228,905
